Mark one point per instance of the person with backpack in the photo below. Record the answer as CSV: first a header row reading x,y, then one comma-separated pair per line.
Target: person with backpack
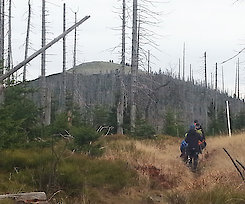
x,y
192,139
183,150
200,131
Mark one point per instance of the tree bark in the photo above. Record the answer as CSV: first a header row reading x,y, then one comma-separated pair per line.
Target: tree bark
x,y
134,67
120,105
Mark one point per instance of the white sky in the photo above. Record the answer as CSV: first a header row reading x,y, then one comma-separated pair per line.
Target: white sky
x,y
215,26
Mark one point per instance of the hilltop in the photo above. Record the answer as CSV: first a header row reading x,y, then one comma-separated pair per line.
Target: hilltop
x,y
98,67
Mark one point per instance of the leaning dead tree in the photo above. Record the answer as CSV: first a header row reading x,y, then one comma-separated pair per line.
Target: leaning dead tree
x,y
34,55
236,166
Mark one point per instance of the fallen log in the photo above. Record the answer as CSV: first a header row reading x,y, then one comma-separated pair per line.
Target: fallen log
x,y
32,197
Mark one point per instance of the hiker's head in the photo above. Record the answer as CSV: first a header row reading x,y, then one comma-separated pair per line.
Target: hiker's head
x,y
195,122
198,125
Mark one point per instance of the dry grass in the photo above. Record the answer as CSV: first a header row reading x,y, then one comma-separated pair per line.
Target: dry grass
x,y
215,168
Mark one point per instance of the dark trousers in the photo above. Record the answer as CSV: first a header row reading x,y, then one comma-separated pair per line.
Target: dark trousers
x,y
193,157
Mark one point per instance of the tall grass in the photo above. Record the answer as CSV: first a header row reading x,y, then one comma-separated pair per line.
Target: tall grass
x,y
214,171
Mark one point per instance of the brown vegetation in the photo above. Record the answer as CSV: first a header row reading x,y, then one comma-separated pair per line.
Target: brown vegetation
x,y
166,179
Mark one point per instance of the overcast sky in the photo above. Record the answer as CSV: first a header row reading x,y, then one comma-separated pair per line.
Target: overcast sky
x,y
214,26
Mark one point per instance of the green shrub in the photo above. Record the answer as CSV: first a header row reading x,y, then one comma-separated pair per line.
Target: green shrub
x,y
173,125
84,136
143,130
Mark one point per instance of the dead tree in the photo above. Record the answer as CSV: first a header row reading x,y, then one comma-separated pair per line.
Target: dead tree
x,y
2,15
223,83
43,64
183,63
75,44
9,65
27,38
238,80
179,69
74,81
134,62
63,89
216,89
205,69
120,105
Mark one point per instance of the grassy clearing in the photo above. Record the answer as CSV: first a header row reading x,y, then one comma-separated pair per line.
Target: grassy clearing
x,y
158,164
129,171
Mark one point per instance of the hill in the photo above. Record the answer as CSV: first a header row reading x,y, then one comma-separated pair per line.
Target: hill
x,y
96,84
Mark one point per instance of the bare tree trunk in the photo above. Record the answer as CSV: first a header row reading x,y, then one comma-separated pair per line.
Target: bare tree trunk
x,y
205,67
9,65
134,67
74,81
235,94
179,69
27,37
120,106
63,91
43,64
75,44
223,85
238,80
2,3
148,62
184,62
190,73
216,89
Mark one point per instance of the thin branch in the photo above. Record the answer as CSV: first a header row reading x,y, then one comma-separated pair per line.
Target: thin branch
x,y
233,56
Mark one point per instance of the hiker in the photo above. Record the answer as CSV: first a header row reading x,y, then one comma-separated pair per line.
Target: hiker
x,y
192,139
200,131
183,150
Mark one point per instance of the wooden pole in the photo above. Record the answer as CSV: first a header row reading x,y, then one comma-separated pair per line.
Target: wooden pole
x,y
228,118
55,40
